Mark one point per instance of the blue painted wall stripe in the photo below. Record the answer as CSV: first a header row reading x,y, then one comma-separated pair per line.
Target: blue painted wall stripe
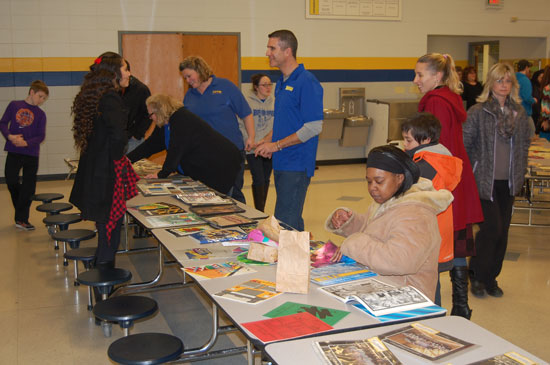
x,y
68,78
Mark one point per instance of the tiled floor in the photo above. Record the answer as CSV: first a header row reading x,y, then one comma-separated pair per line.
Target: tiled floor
x,y
43,317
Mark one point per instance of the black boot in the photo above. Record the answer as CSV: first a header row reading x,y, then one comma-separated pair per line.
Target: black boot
x,y
459,279
258,193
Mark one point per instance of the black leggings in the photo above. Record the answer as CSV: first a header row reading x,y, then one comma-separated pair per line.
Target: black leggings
x,y
106,251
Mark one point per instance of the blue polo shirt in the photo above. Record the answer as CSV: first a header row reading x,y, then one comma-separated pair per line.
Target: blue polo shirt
x,y
298,100
219,106
525,92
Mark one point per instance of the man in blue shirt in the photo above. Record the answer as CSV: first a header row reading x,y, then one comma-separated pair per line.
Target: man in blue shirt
x,y
298,122
525,88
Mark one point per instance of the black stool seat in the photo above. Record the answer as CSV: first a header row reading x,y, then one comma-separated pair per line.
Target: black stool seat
x,y
145,349
54,208
47,197
81,254
62,219
108,277
125,309
74,236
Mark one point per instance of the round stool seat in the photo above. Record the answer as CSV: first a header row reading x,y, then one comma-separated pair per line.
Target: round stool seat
x,y
74,236
145,349
54,208
47,197
81,254
125,309
107,277
62,219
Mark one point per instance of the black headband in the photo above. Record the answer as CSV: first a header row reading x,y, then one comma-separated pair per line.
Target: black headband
x,y
383,161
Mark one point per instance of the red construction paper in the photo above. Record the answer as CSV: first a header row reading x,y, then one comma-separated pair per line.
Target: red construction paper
x,y
282,328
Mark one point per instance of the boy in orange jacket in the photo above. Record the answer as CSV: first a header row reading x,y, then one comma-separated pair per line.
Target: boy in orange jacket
x,y
421,142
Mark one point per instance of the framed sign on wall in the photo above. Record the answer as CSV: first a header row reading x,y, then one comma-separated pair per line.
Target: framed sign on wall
x,y
354,9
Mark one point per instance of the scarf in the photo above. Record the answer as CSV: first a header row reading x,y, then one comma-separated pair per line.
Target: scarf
x,y
125,188
506,117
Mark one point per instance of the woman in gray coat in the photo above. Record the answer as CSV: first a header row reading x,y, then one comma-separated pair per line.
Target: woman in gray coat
x,y
497,137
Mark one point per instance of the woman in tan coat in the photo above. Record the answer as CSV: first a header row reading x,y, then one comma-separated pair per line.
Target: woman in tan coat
x,y
398,237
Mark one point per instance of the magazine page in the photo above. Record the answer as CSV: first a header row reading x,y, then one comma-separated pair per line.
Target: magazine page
x,y
339,273
220,270
210,210
393,300
346,291
252,292
424,341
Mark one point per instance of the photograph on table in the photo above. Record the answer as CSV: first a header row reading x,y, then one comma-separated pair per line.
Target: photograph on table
x,y
210,210
195,198
162,208
424,341
230,220
174,220
186,231
368,351
219,235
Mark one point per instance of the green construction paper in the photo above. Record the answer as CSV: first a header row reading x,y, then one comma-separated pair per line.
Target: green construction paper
x,y
328,315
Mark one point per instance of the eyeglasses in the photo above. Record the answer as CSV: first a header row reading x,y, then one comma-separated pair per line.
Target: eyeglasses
x,y
504,81
266,85
151,115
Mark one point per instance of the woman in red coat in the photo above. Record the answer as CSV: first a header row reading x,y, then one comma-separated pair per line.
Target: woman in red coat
x,y
435,76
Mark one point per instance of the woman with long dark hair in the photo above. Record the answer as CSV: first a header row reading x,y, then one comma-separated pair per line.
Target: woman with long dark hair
x,y
436,77
105,178
472,87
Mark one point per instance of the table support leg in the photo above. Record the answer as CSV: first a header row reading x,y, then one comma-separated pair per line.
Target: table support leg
x,y
249,352
146,284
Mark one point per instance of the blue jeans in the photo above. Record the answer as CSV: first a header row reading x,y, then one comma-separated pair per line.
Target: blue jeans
x,y
291,187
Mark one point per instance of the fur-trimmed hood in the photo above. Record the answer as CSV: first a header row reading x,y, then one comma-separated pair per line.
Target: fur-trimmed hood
x,y
422,192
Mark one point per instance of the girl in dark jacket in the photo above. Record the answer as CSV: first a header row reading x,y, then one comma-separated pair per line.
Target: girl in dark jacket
x,y
497,135
100,136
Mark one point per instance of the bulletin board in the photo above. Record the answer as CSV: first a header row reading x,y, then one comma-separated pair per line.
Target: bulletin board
x,y
354,9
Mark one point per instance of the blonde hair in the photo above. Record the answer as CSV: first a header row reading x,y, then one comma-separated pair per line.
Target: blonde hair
x,y
497,72
163,106
444,63
198,64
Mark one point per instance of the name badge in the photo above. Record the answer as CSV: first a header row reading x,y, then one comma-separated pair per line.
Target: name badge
x,y
216,91
289,88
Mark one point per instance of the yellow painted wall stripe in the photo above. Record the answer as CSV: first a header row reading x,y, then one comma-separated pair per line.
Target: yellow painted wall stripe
x,y
64,64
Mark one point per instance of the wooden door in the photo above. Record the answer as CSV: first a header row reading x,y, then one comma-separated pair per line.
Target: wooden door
x,y
221,52
154,59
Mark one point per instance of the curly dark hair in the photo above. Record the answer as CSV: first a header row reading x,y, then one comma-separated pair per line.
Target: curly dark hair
x,y
104,75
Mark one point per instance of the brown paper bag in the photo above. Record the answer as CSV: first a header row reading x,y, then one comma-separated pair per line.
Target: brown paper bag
x,y
260,252
270,228
293,265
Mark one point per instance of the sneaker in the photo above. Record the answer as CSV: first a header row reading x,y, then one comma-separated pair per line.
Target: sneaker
x,y
25,226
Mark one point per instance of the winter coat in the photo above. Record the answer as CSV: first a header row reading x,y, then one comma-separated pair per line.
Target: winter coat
x,y
400,238
446,175
449,109
93,186
480,139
